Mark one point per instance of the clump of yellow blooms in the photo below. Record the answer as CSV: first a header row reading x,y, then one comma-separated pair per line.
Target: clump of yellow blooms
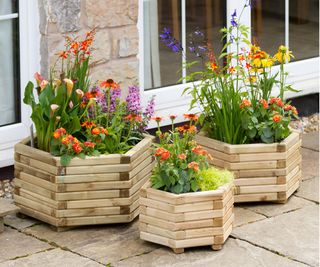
x,y
283,55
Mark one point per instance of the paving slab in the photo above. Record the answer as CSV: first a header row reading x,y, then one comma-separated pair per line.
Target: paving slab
x,y
309,189
274,209
18,223
244,216
310,164
235,253
7,207
17,244
52,258
294,234
105,244
311,141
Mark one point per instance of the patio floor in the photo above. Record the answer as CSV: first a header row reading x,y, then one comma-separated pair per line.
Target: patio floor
x,y
264,235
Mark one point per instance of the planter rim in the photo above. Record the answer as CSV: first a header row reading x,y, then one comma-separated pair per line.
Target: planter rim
x,y
284,141
128,154
214,193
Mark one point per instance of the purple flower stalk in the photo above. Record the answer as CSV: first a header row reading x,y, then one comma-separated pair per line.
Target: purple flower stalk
x,y
170,41
149,111
115,95
233,18
133,100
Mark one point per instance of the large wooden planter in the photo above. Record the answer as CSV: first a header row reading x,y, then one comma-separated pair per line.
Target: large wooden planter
x,y
95,190
263,172
186,220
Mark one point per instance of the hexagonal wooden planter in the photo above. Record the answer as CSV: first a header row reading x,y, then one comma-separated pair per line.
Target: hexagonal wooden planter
x,y
186,220
94,190
263,172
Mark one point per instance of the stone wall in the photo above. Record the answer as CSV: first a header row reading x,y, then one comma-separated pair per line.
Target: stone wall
x,y
116,40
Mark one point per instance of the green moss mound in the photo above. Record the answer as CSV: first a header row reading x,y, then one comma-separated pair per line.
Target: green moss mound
x,y
212,178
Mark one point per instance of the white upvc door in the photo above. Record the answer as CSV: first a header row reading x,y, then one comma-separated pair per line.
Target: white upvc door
x,y
29,62
304,74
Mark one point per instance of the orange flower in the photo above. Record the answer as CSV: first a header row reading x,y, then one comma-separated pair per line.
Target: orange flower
x,y
197,150
248,65
89,144
241,57
157,119
294,110
231,69
88,124
276,100
133,117
193,165
109,84
213,66
187,128
63,54
182,156
245,103
58,132
276,118
264,103
192,117
65,141
95,131
173,117
104,131
162,153
77,148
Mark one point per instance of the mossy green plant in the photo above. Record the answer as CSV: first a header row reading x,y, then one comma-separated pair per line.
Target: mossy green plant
x,y
212,178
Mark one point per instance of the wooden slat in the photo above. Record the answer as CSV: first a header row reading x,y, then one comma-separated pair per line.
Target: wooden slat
x,y
38,206
86,195
212,143
194,242
292,139
262,156
92,203
253,165
256,189
33,188
253,148
38,215
157,239
87,178
38,198
176,235
111,159
139,148
88,212
97,169
255,197
39,182
255,181
39,165
144,164
33,171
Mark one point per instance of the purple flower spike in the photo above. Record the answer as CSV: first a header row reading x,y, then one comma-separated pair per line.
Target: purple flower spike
x,y
233,19
170,41
115,95
133,100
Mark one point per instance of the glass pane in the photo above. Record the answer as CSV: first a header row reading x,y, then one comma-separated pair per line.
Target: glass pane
x,y
160,63
268,23
205,17
304,28
8,7
9,72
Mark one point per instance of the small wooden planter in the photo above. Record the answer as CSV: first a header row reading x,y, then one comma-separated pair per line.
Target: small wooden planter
x,y
263,172
94,190
186,220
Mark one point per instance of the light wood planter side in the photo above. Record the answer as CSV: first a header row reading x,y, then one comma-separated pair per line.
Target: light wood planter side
x,y
186,220
263,172
94,190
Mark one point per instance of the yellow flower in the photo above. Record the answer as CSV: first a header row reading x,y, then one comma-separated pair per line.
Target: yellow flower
x,y
69,85
251,79
256,62
255,70
284,54
254,49
267,62
56,82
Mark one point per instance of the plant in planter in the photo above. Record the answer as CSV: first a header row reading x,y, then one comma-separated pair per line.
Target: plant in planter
x,y
187,203
244,127
91,153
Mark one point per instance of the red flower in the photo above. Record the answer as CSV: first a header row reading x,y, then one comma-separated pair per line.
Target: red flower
x,y
248,66
193,165
232,70
173,117
89,144
276,118
109,84
245,103
63,54
264,103
133,117
157,119
88,124
187,128
58,132
276,100
77,148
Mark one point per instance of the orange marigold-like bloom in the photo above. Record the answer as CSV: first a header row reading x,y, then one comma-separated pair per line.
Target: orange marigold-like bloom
x,y
58,132
104,131
89,144
65,141
163,153
276,100
77,148
276,118
245,103
96,131
133,117
173,117
264,103
193,165
213,66
192,117
241,57
157,119
182,156
197,150
187,128
64,54
232,69
88,124
287,107
248,65
109,83
294,110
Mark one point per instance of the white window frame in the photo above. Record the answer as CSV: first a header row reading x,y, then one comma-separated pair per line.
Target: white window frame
x,y
29,37
304,74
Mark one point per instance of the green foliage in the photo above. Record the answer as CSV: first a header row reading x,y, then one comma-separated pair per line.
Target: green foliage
x,y
212,178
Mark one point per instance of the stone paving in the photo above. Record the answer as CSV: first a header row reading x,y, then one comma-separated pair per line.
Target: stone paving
x,y
264,235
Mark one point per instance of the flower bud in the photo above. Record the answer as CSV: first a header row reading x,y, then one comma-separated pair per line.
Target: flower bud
x,y
38,78
54,107
56,82
80,93
43,85
71,104
69,85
